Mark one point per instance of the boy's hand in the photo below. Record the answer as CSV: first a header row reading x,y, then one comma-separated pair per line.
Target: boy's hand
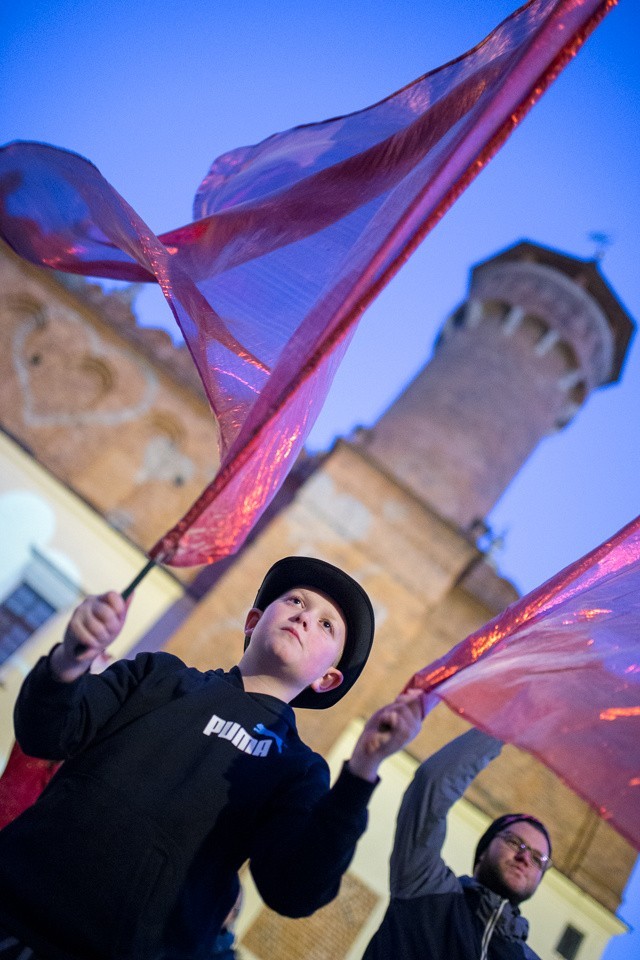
x,y
93,626
388,730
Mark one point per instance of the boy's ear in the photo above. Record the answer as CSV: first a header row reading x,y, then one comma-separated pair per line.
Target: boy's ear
x,y
329,681
252,618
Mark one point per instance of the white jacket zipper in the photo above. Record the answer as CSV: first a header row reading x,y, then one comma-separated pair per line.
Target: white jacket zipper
x,y
490,927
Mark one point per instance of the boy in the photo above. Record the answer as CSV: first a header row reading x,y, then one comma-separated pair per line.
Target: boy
x,y
173,778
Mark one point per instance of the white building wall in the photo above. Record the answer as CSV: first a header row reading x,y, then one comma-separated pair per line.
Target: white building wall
x,y
40,512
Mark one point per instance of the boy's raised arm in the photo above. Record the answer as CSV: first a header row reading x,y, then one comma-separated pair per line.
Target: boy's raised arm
x,y
322,831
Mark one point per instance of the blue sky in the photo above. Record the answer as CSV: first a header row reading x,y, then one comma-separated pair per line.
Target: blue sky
x,y
152,92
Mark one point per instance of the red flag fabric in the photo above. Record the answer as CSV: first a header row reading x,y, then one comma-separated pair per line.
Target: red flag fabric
x,y
292,240
558,674
21,783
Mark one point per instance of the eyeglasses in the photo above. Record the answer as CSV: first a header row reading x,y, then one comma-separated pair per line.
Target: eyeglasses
x,y
540,860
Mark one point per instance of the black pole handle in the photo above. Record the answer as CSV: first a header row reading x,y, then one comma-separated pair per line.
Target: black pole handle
x,y
126,593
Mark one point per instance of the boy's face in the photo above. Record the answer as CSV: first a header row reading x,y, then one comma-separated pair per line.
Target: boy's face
x,y
300,637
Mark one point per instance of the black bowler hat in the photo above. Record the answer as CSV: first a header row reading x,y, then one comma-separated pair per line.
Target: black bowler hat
x,y
354,604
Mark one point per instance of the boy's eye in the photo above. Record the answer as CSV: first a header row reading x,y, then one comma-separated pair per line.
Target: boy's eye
x,y
295,600
327,625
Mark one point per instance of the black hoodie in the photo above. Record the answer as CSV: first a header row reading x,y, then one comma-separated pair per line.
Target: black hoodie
x,y
172,779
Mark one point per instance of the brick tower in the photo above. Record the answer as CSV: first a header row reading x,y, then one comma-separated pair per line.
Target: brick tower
x,y
538,332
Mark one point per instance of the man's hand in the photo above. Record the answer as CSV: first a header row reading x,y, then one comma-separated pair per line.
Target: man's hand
x,y
93,626
387,731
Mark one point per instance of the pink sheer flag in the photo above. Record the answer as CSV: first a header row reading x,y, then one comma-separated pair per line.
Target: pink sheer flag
x,y
292,239
558,674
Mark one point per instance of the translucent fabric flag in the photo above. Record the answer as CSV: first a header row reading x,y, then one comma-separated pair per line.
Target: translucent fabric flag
x,y
292,239
558,674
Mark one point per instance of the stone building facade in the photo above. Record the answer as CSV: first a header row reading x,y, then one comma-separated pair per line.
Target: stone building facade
x,y
116,413
113,410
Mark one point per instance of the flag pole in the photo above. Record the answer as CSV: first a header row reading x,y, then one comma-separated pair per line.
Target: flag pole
x,y
126,593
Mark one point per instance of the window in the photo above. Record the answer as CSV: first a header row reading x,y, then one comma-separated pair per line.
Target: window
x,y
569,943
21,613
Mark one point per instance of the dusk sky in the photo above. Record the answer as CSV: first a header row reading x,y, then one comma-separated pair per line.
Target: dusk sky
x,y
152,92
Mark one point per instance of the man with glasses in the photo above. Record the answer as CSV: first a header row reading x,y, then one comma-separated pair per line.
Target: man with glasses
x,y
435,915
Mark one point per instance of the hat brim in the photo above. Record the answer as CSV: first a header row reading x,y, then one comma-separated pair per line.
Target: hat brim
x,y
354,604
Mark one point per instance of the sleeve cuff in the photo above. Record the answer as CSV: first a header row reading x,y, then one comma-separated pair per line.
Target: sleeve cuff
x,y
349,788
